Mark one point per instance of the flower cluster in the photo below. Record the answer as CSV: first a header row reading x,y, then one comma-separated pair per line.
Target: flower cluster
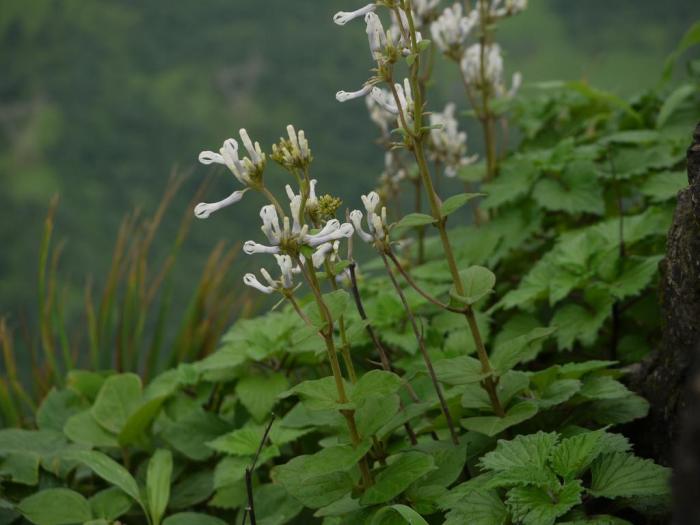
x,y
492,70
376,222
293,152
451,29
448,145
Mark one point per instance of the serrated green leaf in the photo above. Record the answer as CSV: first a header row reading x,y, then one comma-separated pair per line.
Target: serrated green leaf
x,y
82,428
455,202
529,451
619,410
259,393
318,394
397,477
189,434
461,370
624,475
674,100
574,455
537,506
20,467
138,422
558,392
663,186
375,412
483,507
520,349
511,383
494,425
603,387
55,507
57,407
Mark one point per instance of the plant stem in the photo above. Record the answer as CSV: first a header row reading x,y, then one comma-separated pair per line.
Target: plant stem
x,y
345,348
424,351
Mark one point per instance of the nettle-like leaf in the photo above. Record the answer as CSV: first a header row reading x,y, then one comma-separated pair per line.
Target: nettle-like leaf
x,y
624,475
538,506
259,393
576,190
511,383
483,507
665,185
531,451
520,349
459,370
572,456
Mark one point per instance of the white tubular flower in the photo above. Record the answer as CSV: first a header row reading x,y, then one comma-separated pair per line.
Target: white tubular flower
x,y
251,247
376,36
451,28
312,201
319,256
515,85
344,96
287,270
247,170
385,100
271,224
425,11
377,112
501,9
493,65
295,208
448,145
292,152
204,209
332,231
252,281
343,17
405,102
356,219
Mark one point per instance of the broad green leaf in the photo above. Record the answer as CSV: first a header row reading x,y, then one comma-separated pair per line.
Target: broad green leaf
x,y
494,425
230,470
519,349
86,382
663,186
531,451
84,430
194,489
524,476
576,191
55,507
637,275
574,322
140,419
674,100
619,410
482,507
640,136
477,281
537,506
108,469
318,394
274,506
455,202
397,477
190,434
472,172
603,387
558,392
511,383
575,454
259,393
119,396
690,39
192,518
57,407
20,467
45,443
624,475
375,412
413,220
410,516
243,442
110,503
461,370
375,383
160,468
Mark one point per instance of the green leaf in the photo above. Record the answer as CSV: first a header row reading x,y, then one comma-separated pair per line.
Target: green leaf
x,y
619,410
375,383
397,477
194,489
575,454
674,100
482,507
190,434
537,506
119,396
603,387
140,419
663,186
576,191
690,39
477,281
529,451
493,425
57,407
192,518
520,349
455,202
558,392
461,370
574,322
160,468
413,220
636,136
274,506
20,467
259,393
318,394
636,276
230,470
410,516
110,503
55,507
375,412
243,442
511,383
84,430
108,469
624,475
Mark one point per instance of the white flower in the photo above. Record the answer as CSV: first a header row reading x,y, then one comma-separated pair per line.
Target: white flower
x,y
376,36
319,256
204,209
285,282
332,231
451,28
448,145
343,17
344,96
378,112
293,152
501,9
424,10
312,200
271,224
252,281
385,100
493,65
251,247
247,170
376,223
405,103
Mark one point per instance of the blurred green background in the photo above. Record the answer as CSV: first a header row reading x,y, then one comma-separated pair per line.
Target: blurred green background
x,y
101,99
